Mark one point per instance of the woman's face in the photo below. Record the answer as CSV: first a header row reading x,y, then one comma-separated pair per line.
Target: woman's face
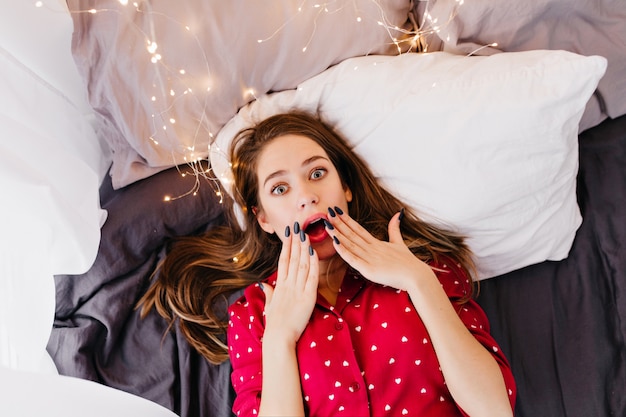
x,y
297,183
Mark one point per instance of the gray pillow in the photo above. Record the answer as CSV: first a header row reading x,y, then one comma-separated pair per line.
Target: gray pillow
x,y
586,27
164,76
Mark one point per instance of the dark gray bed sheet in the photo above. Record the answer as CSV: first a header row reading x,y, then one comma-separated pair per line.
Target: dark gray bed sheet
x,y
97,332
562,324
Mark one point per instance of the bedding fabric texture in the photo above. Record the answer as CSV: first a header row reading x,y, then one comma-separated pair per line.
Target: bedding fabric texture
x,y
586,27
561,323
25,394
98,334
165,76
483,145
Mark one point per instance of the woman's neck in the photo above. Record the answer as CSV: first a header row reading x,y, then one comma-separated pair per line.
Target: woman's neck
x,y
331,273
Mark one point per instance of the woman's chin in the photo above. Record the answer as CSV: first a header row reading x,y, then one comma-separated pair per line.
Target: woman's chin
x,y
324,249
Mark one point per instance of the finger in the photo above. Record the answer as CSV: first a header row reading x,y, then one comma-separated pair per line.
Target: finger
x,y
304,260
295,250
395,235
349,230
285,256
313,276
350,253
347,248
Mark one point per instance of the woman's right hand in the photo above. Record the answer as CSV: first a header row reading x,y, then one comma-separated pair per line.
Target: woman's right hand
x,y
289,305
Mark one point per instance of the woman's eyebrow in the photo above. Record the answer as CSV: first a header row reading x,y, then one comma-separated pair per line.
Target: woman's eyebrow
x,y
313,159
282,171
273,175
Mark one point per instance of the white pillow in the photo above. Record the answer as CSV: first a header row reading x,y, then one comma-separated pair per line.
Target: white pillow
x,y
485,145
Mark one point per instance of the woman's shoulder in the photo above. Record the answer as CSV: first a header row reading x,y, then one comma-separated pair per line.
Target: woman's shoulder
x,y
453,277
253,296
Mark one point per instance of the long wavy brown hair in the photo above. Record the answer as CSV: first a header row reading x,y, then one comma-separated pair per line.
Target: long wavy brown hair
x,y
198,274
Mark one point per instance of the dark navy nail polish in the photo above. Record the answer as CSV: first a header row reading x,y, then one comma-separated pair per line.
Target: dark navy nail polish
x,y
336,240
261,286
296,228
311,250
331,212
401,216
328,225
302,236
287,231
338,210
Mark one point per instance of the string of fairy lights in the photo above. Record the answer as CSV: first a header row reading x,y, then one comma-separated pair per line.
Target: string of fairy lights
x,y
174,84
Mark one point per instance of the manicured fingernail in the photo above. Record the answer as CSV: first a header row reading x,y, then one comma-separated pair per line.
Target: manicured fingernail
x,y
261,286
287,231
336,240
401,216
331,212
338,210
328,225
302,236
296,227
311,250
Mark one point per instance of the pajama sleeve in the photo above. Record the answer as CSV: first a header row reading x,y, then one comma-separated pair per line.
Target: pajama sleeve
x,y
456,284
245,332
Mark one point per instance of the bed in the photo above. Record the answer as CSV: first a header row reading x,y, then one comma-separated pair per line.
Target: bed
x,y
519,110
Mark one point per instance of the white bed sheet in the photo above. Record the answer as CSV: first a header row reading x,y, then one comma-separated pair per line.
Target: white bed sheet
x,y
28,395
51,167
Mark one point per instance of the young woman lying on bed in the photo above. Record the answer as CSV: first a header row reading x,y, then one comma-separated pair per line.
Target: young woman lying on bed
x,y
352,305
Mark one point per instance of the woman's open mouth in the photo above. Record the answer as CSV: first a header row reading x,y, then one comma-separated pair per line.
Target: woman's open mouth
x,y
316,230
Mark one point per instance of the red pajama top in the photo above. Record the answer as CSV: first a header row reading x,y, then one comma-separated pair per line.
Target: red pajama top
x,y
369,355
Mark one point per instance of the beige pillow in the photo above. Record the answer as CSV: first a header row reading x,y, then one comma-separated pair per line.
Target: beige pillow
x,y
164,76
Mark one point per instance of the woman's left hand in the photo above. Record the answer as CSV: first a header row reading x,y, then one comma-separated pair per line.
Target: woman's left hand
x,y
472,374
386,263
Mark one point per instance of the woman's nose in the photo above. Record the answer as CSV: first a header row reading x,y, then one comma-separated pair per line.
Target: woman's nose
x,y
307,197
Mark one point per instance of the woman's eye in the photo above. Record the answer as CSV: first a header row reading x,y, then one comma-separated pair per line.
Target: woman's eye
x,y
318,173
279,189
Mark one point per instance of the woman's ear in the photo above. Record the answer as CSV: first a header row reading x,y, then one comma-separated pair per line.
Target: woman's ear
x,y
348,193
262,220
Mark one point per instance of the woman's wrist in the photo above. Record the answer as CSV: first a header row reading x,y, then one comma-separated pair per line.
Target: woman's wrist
x,y
281,392
279,339
421,279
